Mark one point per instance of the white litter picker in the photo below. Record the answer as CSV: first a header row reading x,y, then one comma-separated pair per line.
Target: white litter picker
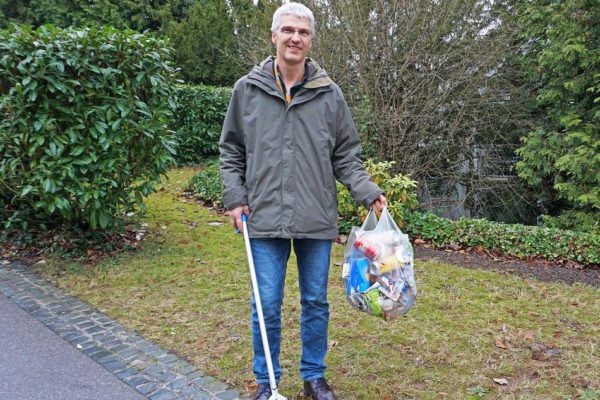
x,y
261,320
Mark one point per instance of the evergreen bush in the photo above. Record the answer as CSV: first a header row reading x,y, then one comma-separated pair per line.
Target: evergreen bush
x,y
575,220
516,240
207,184
83,133
199,118
399,191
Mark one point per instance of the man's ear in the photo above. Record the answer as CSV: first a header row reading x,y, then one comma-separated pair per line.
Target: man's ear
x,y
273,37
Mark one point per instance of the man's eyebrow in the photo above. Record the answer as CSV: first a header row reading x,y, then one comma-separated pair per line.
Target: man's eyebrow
x,y
291,27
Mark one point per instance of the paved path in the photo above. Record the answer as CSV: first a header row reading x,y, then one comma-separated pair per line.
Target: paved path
x,y
35,363
55,346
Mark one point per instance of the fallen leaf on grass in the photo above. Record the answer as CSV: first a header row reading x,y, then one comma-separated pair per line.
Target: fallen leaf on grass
x,y
529,335
501,381
500,343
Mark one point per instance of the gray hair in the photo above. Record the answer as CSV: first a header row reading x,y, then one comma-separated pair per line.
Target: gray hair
x,y
295,9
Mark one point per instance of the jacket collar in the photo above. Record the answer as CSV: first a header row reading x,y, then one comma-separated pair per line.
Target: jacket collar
x,y
263,73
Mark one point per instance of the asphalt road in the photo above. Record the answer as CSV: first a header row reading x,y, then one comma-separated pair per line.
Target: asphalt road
x,y
37,364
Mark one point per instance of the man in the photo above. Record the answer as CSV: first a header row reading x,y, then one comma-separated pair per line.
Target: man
x,y
288,135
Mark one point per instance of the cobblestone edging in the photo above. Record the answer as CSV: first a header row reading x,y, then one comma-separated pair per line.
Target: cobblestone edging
x,y
141,364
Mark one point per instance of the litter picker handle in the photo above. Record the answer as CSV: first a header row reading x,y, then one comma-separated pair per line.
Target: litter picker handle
x,y
261,319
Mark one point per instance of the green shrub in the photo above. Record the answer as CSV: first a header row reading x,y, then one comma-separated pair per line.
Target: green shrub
x,y
574,220
511,239
399,192
199,118
83,133
207,184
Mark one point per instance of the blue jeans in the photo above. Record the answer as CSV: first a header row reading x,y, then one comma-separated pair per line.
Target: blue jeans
x,y
270,260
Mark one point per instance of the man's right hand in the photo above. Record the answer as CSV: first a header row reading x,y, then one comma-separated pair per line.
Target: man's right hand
x,y
236,217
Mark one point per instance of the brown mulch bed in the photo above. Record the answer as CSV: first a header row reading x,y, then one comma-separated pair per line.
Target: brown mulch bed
x,y
539,270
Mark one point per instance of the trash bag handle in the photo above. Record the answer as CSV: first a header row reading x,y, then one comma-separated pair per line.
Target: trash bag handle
x,y
370,221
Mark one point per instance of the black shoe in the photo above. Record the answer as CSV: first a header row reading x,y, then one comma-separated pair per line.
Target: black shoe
x,y
263,392
318,389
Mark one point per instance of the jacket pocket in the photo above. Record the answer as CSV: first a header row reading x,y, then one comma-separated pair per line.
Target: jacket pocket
x,y
315,211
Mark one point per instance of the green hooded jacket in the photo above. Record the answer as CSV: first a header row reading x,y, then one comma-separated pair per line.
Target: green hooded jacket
x,y
282,160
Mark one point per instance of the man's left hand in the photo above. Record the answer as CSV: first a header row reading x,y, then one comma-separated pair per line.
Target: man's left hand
x,y
379,204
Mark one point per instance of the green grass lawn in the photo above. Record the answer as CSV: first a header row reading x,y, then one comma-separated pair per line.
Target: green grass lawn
x,y
187,288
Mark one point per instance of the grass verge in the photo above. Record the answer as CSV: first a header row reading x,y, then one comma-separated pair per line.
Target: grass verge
x,y
472,334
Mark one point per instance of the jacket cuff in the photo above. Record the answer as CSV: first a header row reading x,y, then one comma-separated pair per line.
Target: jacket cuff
x,y
235,198
372,197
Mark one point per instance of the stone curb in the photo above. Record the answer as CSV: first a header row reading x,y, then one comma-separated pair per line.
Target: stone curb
x,y
141,364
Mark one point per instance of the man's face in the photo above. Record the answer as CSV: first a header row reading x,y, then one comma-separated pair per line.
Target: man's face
x,y
293,39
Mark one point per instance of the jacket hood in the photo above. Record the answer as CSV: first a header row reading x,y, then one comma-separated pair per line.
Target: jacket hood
x,y
263,73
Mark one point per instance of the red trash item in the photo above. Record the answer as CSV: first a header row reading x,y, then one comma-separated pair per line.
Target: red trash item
x,y
370,250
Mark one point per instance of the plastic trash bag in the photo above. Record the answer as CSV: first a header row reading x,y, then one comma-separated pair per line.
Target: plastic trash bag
x,y
378,268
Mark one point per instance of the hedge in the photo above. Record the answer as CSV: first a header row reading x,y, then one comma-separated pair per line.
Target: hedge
x,y
510,239
207,184
83,133
516,240
199,118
